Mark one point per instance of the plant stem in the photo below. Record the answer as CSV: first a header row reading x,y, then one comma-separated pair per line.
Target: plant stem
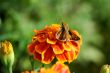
x,y
9,69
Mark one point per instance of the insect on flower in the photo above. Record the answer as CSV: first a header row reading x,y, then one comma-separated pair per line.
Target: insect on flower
x,y
63,44
65,34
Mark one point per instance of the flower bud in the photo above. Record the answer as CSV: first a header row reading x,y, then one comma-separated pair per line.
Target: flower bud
x,y
7,55
105,69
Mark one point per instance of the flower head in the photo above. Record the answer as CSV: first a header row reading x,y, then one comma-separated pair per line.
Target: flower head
x,y
56,68
45,47
6,48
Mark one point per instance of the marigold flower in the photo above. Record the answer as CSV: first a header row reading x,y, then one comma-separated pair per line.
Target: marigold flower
x,y
56,68
45,47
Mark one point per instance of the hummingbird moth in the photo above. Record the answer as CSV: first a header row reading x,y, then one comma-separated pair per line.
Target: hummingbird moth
x,y
65,34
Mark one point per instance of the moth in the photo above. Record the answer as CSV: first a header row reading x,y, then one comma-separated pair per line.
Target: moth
x,y
65,34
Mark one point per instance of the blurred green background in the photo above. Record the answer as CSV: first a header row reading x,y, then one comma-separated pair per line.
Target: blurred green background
x,y
91,18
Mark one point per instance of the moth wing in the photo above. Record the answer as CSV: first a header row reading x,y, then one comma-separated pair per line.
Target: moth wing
x,y
60,35
73,36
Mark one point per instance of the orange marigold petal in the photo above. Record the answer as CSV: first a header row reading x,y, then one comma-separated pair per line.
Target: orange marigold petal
x,y
42,70
66,46
74,45
54,27
57,67
31,47
60,68
41,47
57,48
48,56
70,55
26,72
37,56
61,58
65,70
51,41
41,35
76,54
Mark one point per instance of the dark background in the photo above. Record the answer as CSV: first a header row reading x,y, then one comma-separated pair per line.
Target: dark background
x,y
91,18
